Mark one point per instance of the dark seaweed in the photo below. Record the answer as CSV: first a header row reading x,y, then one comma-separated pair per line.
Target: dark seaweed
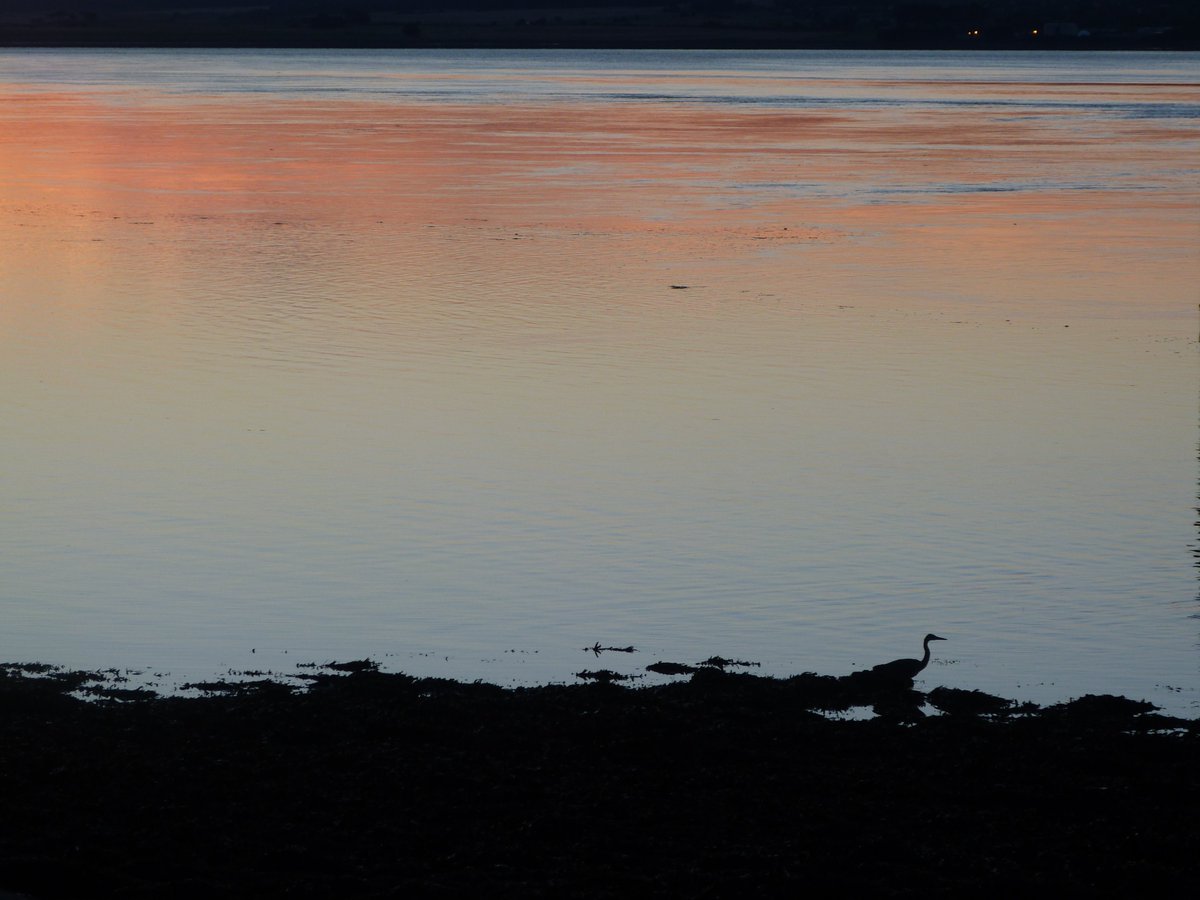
x,y
367,784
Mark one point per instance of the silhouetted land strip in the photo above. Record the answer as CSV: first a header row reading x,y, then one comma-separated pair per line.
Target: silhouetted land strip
x,y
721,785
715,24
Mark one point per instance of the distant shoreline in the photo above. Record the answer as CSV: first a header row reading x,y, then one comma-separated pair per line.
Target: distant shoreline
x,y
447,34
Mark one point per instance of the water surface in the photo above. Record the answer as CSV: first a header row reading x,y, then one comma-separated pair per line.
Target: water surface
x,y
468,360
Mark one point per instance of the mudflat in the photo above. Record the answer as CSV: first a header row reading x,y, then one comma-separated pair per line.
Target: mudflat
x,y
368,784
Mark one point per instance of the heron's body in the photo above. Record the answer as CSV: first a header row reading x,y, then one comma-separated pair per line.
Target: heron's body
x,y
905,669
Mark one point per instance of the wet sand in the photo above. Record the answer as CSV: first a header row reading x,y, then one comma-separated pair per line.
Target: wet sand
x,y
379,785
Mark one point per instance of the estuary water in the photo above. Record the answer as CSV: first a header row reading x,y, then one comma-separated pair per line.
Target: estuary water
x,y
465,361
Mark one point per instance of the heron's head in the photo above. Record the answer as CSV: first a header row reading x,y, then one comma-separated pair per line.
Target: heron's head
x,y
933,637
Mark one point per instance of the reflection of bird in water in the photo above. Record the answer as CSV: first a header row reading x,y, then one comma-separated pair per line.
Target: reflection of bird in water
x,y
904,669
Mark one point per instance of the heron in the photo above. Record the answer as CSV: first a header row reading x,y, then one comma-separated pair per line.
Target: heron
x,y
904,669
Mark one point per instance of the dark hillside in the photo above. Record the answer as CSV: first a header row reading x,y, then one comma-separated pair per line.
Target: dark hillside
x,y
1017,24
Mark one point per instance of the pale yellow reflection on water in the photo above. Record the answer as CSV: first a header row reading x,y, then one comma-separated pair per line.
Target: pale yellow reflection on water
x,y
467,379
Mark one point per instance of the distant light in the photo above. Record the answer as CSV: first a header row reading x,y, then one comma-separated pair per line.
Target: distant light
x,y
1035,31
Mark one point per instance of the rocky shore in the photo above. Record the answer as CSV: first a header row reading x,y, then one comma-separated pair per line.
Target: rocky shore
x,y
367,784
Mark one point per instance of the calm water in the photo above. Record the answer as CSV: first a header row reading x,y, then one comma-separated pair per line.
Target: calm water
x,y
465,361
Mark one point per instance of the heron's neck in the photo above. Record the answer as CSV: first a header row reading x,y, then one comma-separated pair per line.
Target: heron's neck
x,y
925,658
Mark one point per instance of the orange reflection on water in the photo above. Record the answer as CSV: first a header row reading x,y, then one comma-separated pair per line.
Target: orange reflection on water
x,y
942,205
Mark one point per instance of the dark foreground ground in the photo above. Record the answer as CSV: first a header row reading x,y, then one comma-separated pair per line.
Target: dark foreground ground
x,y
724,785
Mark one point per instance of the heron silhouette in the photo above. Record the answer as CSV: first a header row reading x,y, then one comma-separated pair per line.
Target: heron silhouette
x,y
903,669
